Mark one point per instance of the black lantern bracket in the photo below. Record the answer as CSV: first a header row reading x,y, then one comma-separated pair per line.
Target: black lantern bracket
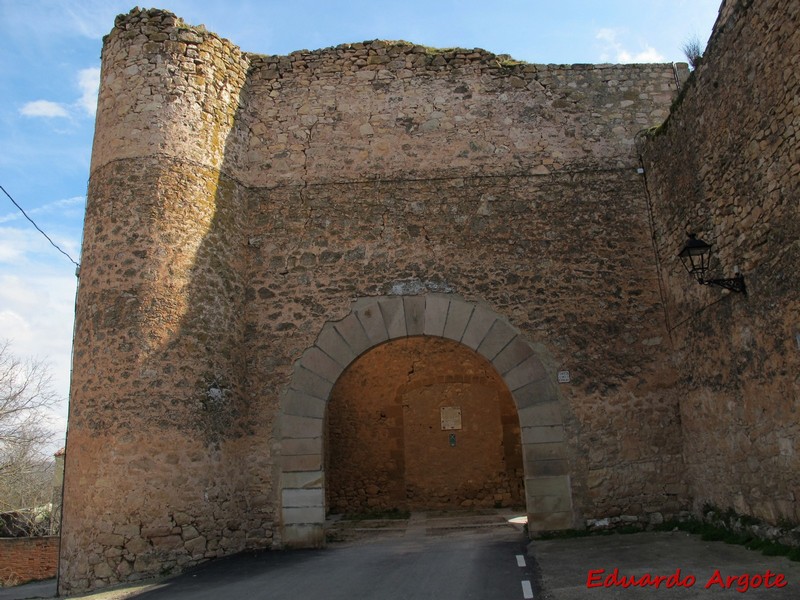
x,y
695,257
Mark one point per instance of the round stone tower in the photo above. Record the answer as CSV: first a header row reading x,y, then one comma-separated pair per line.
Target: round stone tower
x,y
157,368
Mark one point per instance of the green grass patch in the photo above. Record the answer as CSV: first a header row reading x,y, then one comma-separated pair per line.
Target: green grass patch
x,y
562,534
707,532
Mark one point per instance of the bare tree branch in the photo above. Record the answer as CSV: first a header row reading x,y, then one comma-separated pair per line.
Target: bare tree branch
x,y
26,471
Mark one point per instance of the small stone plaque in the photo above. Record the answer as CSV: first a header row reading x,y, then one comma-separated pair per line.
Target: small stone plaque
x,y
451,417
563,377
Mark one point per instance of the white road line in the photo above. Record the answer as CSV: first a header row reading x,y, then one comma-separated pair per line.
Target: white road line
x,y
520,560
527,590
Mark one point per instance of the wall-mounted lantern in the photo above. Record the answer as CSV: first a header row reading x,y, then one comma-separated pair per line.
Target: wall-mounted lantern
x,y
695,257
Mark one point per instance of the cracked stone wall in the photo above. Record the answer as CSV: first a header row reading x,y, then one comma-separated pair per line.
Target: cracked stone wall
x,y
237,203
726,166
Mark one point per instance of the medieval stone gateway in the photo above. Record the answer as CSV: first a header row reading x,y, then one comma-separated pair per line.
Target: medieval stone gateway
x,y
263,233
377,320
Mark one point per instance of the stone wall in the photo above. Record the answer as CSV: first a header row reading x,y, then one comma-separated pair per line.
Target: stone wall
x,y
544,250
726,166
157,370
27,559
237,206
386,447
379,111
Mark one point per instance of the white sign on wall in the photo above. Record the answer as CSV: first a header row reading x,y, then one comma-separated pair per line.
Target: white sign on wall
x,y
451,417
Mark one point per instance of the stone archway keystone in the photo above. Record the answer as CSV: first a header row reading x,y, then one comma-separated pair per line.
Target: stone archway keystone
x,y
373,321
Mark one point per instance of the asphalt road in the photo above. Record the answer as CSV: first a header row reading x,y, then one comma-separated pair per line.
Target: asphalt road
x,y
441,557
483,565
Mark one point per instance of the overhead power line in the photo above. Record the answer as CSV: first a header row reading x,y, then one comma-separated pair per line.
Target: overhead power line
x,y
39,229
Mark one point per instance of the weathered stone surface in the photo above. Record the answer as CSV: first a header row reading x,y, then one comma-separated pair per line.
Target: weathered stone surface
x,y
725,166
540,391
300,498
458,317
300,427
309,479
303,536
300,463
371,319
353,333
394,316
543,434
238,204
316,361
309,383
545,451
528,371
496,339
436,309
293,447
513,354
480,323
542,414
303,405
414,308
331,343
292,516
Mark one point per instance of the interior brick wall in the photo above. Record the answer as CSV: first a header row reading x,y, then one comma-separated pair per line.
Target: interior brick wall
x,y
386,448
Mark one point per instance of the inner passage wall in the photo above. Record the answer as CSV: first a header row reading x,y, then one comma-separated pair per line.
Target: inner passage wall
x,y
389,446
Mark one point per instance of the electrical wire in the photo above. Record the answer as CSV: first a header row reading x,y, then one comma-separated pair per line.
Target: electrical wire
x,y
39,229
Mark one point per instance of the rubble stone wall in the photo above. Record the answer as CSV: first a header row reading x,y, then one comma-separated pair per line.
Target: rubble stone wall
x,y
158,373
726,165
238,204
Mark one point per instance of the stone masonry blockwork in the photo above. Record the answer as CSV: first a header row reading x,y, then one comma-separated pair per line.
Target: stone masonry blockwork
x,y
726,165
255,224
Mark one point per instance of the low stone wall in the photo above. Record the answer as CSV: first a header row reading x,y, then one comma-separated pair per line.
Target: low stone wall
x,y
27,559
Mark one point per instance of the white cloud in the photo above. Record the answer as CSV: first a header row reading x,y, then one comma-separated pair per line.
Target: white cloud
x,y
647,55
44,108
14,326
38,301
14,243
66,207
614,50
89,82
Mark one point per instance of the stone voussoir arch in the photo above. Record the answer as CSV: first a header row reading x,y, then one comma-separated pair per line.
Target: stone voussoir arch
x,y
376,320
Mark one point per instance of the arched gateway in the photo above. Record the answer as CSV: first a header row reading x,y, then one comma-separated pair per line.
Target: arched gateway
x,y
374,321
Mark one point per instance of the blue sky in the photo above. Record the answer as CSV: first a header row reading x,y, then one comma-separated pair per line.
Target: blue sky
x,y
50,64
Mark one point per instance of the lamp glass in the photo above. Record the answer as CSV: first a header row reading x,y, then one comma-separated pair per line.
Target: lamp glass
x,y
695,257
